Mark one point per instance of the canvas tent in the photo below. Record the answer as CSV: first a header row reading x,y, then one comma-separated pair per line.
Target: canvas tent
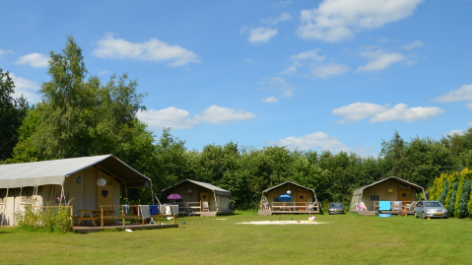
x,y
41,183
194,193
388,189
303,199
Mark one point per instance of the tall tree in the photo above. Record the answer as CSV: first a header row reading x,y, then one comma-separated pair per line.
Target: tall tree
x,y
12,113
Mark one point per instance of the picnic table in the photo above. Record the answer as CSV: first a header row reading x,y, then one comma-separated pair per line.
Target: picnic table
x,y
92,216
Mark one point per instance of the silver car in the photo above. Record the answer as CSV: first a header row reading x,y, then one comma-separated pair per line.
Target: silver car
x,y
430,209
336,208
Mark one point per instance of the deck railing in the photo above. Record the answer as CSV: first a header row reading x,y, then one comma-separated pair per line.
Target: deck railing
x,y
398,206
290,207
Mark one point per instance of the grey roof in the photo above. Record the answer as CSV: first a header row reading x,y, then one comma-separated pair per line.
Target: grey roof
x,y
292,183
215,189
360,190
54,172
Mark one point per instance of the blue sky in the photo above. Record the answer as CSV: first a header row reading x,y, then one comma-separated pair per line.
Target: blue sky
x,y
313,75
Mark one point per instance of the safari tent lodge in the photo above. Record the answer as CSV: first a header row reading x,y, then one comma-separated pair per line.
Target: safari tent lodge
x,y
288,198
390,195
199,198
90,187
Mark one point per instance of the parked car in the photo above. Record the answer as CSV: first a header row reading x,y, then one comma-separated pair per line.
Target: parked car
x,y
336,208
430,209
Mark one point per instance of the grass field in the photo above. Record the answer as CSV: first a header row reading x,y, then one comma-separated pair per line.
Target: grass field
x,y
345,239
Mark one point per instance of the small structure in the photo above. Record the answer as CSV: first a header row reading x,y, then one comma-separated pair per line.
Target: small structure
x,y
399,194
303,200
89,186
200,198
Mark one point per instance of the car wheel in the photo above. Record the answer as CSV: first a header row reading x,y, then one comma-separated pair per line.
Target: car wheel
x,y
424,216
416,215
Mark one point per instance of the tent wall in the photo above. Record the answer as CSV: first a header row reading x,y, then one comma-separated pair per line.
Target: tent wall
x,y
381,190
194,196
271,195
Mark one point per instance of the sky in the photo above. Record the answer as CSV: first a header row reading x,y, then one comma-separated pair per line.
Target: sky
x,y
310,75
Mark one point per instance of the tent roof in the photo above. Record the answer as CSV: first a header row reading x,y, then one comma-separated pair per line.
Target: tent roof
x,y
361,190
215,189
291,183
54,172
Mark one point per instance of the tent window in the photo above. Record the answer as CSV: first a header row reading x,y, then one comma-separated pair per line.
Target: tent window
x,y
374,197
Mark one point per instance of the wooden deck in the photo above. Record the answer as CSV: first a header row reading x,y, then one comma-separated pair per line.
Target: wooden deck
x,y
377,212
286,212
86,229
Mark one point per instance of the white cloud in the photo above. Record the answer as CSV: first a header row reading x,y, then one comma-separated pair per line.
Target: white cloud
x,y
291,69
27,88
411,46
338,20
361,110
282,4
319,140
469,124
379,60
249,61
36,60
261,34
279,83
271,99
104,72
3,52
456,132
329,70
180,119
151,50
463,93
357,111
273,21
309,55
469,105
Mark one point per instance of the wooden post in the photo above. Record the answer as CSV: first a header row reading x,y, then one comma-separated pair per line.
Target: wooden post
x,y
101,215
159,220
123,214
72,216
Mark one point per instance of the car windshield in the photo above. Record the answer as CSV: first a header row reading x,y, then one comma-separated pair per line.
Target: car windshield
x,y
432,204
336,204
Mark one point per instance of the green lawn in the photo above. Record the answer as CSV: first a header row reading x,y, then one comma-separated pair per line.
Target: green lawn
x,y
346,239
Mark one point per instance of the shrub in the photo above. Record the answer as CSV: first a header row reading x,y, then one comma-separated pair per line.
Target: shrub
x,y
464,199
465,174
452,200
451,178
442,197
53,219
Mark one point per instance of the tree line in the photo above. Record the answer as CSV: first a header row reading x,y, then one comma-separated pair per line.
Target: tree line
x,y
80,115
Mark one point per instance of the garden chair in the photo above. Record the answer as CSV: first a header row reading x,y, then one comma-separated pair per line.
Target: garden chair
x,y
409,206
206,207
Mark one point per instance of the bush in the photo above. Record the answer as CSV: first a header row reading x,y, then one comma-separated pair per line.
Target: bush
x,y
452,200
464,199
53,219
443,196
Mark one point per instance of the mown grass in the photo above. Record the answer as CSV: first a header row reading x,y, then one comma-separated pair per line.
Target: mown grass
x,y
346,239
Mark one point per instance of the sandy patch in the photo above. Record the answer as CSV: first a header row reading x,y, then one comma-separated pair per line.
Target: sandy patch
x,y
282,223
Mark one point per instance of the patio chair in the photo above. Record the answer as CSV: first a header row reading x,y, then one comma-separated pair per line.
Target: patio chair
x,y
384,205
409,206
205,207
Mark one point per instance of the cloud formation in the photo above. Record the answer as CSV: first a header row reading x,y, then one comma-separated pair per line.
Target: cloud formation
x,y
270,99
180,119
273,21
279,83
27,88
378,113
319,140
151,50
463,93
36,60
411,46
379,60
316,65
261,34
339,20
456,132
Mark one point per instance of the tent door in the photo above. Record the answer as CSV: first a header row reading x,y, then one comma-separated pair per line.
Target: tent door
x,y
301,201
404,195
204,197
105,197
